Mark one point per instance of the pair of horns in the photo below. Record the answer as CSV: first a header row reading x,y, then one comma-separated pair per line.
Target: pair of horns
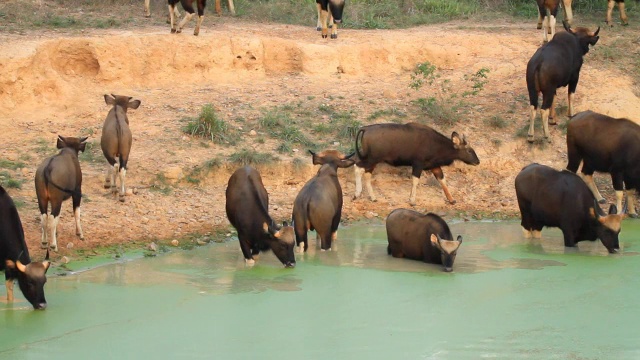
x,y
23,268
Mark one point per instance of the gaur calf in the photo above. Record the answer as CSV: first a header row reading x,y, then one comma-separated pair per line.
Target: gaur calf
x,y
606,144
59,178
552,198
247,206
556,64
116,140
14,257
424,237
318,205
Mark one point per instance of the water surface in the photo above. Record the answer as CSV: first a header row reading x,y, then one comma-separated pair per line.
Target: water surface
x,y
508,298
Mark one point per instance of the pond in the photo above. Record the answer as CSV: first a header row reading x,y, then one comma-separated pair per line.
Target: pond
x,y
508,297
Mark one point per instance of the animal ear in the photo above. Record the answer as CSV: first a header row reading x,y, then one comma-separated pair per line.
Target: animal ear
x,y
21,266
133,104
613,209
82,146
459,239
61,142
315,159
455,138
109,99
434,240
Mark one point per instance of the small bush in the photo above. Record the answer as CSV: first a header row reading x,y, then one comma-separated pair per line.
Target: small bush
x,y
246,157
208,125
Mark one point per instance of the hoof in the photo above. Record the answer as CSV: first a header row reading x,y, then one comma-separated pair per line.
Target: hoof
x,y
334,36
195,33
548,139
80,236
54,248
602,201
324,36
552,121
249,262
173,31
121,198
147,15
318,28
44,246
107,185
530,138
635,216
625,24
452,202
539,26
178,31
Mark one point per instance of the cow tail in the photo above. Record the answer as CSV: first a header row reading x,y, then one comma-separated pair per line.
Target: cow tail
x,y
533,87
47,180
359,137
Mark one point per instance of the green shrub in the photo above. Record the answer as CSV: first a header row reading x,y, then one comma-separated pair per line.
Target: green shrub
x,y
208,125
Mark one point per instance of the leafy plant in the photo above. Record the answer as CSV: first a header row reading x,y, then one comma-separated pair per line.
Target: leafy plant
x,y
208,125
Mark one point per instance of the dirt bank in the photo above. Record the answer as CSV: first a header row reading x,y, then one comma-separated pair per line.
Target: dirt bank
x,y
53,84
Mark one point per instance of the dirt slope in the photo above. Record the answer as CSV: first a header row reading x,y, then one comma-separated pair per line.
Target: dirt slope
x,y
53,84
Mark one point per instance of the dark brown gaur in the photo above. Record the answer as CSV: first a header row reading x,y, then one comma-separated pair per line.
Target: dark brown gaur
x,y
318,205
14,257
116,140
554,65
415,145
187,5
59,178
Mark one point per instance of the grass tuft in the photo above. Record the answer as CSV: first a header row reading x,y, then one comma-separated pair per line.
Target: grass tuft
x,y
208,125
246,157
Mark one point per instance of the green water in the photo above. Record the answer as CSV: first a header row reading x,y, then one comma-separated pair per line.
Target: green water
x,y
508,298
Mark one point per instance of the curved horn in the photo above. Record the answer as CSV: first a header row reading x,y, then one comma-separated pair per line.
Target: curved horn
x,y
21,266
312,153
84,139
598,210
46,262
349,156
597,31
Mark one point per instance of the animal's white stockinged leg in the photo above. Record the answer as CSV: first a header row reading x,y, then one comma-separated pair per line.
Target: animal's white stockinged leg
x,y
552,25
319,23
545,28
619,196
76,215
623,14
570,105
552,112
334,235
610,5
539,20
530,135
334,30
631,202
232,9
545,123
114,174
44,221
526,233
123,174
199,21
358,171
592,186
323,18
54,227
536,234
147,10
107,177
568,14
445,188
185,20
414,186
173,17
9,285
367,181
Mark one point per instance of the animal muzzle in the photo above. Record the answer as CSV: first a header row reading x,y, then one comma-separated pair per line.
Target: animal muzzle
x,y
337,21
290,264
448,269
40,306
612,251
